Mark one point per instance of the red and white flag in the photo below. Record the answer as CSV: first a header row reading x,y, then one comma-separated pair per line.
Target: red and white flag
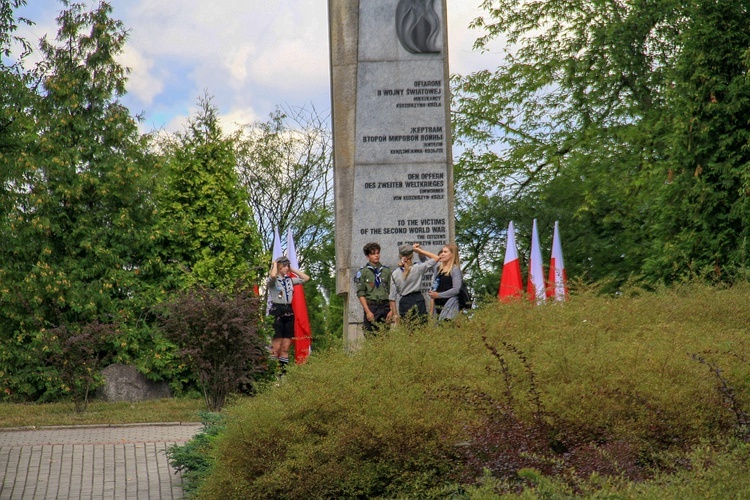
x,y
302,330
557,284
535,285
275,255
511,283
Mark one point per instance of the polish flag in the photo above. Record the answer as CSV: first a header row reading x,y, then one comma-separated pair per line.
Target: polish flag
x,y
557,284
535,286
511,283
275,255
302,330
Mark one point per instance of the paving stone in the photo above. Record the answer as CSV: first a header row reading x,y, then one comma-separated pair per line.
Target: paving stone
x,y
91,462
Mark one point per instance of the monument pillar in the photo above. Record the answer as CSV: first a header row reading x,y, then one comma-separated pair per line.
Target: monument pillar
x,y
393,174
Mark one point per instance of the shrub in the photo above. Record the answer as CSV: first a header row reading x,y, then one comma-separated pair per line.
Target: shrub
x,y
192,459
596,394
81,354
367,430
218,336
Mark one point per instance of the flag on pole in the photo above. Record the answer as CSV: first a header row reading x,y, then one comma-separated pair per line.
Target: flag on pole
x,y
557,285
302,330
275,255
535,285
511,283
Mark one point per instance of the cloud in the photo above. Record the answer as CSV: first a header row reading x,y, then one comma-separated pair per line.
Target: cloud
x,y
237,118
463,58
251,55
142,82
247,54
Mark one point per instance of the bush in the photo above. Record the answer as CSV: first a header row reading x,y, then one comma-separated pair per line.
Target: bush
x,y
79,357
192,459
218,336
597,394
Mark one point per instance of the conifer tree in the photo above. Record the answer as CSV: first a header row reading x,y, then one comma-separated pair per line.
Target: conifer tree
x,y
77,222
207,234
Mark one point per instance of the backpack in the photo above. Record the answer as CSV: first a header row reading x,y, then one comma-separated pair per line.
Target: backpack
x,y
465,299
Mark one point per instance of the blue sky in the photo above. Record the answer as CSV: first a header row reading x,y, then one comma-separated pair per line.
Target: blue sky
x,y
250,55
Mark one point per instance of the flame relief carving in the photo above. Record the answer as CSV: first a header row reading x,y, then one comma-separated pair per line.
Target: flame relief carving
x,y
418,26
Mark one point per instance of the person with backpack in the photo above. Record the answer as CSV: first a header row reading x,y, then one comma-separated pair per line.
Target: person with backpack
x,y
446,283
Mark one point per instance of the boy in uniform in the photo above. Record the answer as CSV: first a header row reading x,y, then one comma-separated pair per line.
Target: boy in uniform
x,y
373,288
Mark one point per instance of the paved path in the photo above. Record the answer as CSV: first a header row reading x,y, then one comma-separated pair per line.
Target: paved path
x,y
91,462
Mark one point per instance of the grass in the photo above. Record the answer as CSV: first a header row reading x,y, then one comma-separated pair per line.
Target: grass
x,y
52,414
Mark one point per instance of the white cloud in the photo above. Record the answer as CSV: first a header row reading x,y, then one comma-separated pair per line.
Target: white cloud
x,y
251,55
235,119
292,65
142,83
463,58
237,63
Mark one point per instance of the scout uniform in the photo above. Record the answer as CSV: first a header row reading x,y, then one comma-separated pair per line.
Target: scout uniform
x,y
373,283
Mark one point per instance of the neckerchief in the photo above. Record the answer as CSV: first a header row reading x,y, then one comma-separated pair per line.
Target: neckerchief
x,y
376,272
283,282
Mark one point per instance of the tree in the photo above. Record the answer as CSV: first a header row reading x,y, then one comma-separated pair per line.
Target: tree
x,y
285,165
77,216
219,337
576,124
15,94
704,204
206,233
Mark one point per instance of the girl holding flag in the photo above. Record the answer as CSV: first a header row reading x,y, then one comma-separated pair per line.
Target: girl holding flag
x,y
281,291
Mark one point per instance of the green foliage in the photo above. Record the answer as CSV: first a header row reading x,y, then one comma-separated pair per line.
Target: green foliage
x,y
623,120
206,234
76,208
16,125
218,336
192,458
599,395
704,203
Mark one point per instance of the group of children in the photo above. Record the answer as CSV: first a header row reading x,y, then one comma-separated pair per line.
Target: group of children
x,y
386,296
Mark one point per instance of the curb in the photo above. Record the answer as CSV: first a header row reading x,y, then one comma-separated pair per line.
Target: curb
x,y
97,426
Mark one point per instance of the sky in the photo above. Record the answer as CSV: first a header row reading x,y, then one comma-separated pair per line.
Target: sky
x,y
250,56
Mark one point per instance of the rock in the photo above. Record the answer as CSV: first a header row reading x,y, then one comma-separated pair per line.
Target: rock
x,y
125,383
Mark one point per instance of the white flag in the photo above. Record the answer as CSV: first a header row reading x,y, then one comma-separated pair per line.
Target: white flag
x,y
557,287
535,286
291,252
276,254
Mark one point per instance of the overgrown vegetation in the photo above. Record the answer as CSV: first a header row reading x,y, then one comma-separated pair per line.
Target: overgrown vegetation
x,y
599,395
79,356
219,338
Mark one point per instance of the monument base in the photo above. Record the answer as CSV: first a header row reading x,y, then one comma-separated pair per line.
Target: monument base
x,y
354,335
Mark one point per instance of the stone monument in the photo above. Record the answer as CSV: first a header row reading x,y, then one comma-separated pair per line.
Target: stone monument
x,y
393,174
126,383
